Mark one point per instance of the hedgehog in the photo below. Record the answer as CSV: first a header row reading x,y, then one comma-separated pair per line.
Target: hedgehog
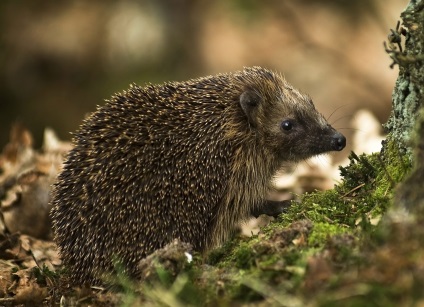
x,y
182,160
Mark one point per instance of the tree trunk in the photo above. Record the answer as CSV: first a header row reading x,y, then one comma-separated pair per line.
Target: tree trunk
x,y
408,94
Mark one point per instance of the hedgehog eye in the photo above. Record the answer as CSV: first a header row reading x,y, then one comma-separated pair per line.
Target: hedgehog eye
x,y
287,125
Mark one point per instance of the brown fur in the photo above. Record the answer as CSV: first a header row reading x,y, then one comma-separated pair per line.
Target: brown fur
x,y
184,160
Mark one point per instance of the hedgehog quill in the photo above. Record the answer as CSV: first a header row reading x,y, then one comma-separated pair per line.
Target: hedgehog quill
x,y
186,160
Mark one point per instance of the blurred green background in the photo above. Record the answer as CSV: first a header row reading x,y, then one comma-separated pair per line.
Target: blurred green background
x,y
59,59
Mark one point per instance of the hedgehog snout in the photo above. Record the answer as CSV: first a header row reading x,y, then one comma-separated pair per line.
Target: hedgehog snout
x,y
338,141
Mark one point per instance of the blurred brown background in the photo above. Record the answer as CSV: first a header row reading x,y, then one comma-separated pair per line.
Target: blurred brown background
x,y
59,59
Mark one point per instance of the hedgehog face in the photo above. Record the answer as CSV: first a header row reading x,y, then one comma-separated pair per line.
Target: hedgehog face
x,y
289,125
303,133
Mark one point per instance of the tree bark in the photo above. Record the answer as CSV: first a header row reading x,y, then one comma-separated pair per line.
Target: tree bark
x,y
408,94
406,123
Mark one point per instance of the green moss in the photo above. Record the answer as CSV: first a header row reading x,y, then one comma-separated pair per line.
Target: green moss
x,y
244,256
323,231
218,255
364,194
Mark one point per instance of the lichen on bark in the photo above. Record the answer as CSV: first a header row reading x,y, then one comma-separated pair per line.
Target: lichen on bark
x,y
408,94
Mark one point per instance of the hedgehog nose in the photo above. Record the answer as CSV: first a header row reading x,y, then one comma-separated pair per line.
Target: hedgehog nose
x,y
338,142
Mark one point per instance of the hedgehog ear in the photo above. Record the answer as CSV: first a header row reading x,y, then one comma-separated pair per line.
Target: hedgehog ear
x,y
249,101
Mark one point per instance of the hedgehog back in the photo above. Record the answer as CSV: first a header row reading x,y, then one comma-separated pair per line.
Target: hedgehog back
x,y
149,166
